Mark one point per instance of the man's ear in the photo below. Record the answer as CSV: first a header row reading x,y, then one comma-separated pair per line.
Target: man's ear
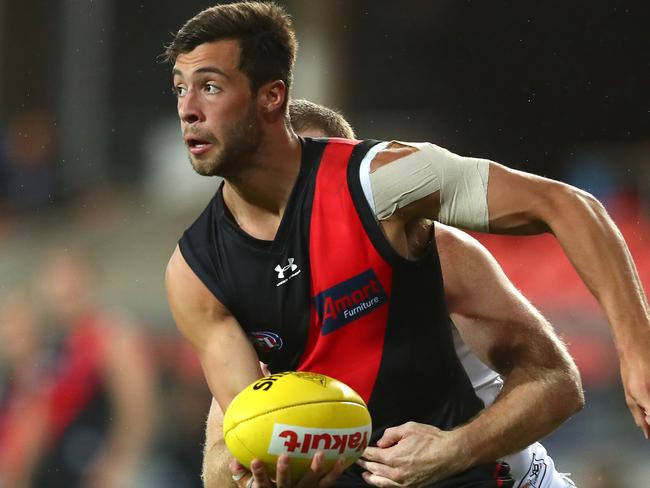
x,y
271,97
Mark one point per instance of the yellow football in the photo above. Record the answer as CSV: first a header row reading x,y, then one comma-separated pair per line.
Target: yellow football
x,y
296,413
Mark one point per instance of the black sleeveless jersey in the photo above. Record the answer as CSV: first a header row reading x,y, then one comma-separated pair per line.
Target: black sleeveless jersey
x,y
330,295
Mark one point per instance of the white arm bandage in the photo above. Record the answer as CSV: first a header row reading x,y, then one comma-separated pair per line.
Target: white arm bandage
x,y
462,183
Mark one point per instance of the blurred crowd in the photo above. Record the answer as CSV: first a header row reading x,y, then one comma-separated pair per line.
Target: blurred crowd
x,y
91,393
97,389
89,397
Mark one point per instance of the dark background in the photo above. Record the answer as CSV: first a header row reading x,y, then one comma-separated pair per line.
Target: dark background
x,y
519,81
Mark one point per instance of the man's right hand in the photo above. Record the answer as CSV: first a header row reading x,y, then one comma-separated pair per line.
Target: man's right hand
x,y
316,477
635,374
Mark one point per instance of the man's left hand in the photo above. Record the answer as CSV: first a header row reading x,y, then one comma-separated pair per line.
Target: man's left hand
x,y
411,455
317,476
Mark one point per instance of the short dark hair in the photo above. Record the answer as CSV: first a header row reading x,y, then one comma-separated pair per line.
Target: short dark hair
x,y
265,33
304,115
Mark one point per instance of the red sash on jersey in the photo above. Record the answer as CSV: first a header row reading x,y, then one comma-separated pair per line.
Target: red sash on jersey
x,y
350,282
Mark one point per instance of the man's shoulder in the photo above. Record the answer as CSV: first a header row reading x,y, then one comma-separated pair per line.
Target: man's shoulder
x,y
186,287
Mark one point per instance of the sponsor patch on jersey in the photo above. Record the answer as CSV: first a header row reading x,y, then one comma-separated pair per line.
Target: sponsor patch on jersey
x,y
266,341
349,300
303,442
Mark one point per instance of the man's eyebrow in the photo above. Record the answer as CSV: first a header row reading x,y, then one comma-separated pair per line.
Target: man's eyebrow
x,y
207,69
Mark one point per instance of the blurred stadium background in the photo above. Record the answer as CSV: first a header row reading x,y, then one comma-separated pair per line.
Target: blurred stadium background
x,y
95,189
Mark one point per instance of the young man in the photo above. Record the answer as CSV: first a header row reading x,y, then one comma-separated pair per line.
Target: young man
x,y
530,467
232,73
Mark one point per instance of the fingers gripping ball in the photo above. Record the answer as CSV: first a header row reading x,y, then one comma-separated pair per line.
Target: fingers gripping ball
x,y
296,413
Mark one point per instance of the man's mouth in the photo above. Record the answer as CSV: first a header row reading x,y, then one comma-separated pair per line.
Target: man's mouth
x,y
198,146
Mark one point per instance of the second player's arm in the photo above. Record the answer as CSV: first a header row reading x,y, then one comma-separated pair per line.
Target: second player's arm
x,y
523,203
519,201
542,387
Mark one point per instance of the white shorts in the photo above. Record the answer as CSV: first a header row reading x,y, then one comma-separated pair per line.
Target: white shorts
x,y
531,467
534,468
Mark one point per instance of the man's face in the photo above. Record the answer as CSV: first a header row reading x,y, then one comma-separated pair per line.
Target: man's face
x,y
216,107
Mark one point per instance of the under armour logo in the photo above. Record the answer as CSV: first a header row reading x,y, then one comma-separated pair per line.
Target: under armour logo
x,y
281,270
290,268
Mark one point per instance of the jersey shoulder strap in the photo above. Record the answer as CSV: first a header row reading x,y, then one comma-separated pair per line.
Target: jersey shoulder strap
x,y
198,244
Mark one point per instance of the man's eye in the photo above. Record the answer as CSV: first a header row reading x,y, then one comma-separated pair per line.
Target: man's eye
x,y
179,91
212,89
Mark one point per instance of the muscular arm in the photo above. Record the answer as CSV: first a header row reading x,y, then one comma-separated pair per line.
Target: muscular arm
x,y
541,390
522,203
508,334
228,360
599,254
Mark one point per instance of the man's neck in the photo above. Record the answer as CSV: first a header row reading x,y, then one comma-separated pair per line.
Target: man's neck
x,y
258,197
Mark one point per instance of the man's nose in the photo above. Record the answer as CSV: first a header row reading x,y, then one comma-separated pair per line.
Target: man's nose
x,y
189,108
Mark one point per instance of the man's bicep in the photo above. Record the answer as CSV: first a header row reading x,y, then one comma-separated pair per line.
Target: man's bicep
x,y
228,359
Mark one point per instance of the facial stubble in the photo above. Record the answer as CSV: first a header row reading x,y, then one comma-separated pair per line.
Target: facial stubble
x,y
241,140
